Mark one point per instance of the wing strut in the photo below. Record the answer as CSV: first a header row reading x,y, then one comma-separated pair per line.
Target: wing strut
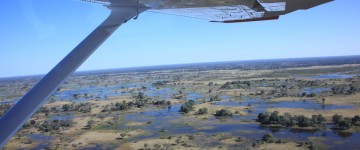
x,y
13,120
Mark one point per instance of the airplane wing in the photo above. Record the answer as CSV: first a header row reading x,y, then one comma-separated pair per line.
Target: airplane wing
x,y
242,11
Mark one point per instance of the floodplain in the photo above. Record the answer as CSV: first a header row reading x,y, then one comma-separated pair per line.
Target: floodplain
x,y
309,103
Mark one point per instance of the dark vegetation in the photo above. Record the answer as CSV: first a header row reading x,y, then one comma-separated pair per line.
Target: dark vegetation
x,y
287,120
345,123
214,98
162,103
4,108
49,126
202,111
82,107
236,85
223,113
160,83
344,89
187,107
140,101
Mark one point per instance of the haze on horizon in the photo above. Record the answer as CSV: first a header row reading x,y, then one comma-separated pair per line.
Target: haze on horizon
x,y
40,33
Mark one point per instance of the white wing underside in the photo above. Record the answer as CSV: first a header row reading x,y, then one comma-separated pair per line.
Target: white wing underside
x,y
227,11
224,13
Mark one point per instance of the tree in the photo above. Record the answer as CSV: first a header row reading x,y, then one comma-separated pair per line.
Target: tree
x,y
188,106
223,113
32,122
268,138
263,117
202,111
356,119
66,107
344,124
303,94
140,96
336,118
274,118
90,124
303,121
146,145
214,98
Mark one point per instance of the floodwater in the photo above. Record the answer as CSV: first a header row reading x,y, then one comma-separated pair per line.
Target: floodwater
x,y
260,104
332,76
175,123
317,90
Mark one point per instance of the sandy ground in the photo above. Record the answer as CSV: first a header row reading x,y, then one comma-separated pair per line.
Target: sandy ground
x,y
353,100
196,142
16,143
282,146
105,136
342,99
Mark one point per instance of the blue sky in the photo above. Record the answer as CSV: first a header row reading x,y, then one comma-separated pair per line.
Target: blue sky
x,y
36,34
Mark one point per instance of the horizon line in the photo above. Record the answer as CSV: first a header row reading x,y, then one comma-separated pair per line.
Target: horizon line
x,y
193,63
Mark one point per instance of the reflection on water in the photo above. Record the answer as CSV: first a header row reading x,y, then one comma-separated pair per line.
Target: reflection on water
x,y
332,76
62,116
194,96
262,105
162,94
315,90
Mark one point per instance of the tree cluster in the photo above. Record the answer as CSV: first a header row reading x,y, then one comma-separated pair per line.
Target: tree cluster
x,y
160,83
345,123
236,85
140,101
82,107
344,89
49,126
162,102
187,107
223,113
288,120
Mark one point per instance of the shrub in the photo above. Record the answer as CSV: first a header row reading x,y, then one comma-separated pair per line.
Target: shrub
x,y
355,119
268,138
318,119
223,113
336,118
263,118
303,121
90,124
66,107
274,118
188,106
202,111
344,124
83,107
